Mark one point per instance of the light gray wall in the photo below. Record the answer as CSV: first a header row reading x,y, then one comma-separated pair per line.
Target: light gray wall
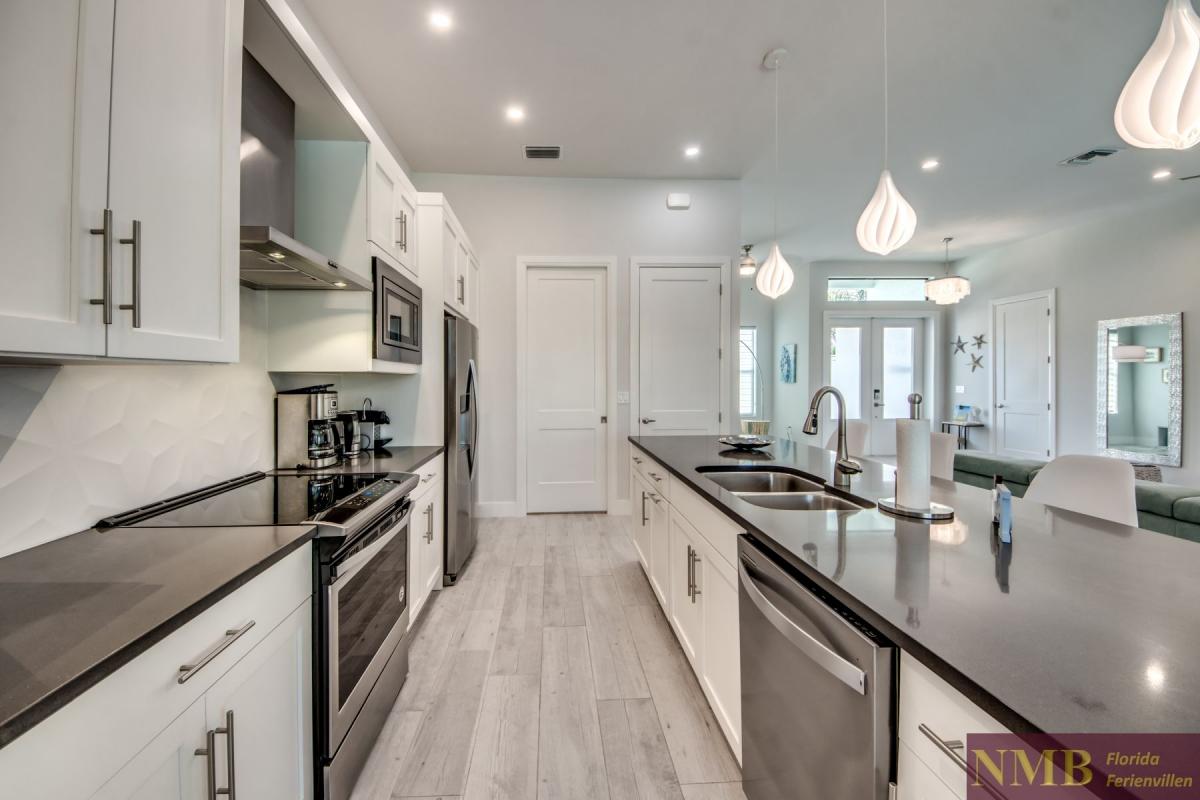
x,y
88,441
510,216
759,311
793,316
1141,261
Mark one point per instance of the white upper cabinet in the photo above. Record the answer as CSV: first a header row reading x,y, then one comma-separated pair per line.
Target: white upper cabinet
x,y
392,202
174,168
73,72
447,251
54,163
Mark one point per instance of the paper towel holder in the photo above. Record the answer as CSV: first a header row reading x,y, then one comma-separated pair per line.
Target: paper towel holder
x,y
914,405
937,512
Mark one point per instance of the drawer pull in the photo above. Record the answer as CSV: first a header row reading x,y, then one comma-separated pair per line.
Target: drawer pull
x,y
637,460
656,477
186,671
426,478
950,748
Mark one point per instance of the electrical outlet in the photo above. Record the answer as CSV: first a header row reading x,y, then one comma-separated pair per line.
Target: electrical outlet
x,y
960,390
623,398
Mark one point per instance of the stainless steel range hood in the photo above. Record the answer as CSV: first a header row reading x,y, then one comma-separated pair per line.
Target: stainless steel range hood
x,y
271,258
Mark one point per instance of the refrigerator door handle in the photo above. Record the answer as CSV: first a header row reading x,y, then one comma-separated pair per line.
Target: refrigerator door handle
x,y
473,399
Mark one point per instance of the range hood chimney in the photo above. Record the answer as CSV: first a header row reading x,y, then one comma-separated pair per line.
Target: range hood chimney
x,y
271,258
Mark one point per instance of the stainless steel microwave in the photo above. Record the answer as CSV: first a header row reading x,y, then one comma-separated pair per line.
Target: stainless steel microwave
x,y
397,315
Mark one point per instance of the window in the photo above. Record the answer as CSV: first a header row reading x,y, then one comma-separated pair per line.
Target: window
x,y
1114,340
875,290
749,396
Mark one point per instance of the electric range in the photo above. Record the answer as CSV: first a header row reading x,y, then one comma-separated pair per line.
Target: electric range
x,y
360,592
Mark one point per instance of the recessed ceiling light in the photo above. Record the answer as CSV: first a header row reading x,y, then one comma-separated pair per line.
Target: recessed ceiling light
x,y
440,21
1162,175
515,113
930,164
692,151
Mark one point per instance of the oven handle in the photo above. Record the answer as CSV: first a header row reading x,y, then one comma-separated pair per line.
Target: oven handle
x,y
354,563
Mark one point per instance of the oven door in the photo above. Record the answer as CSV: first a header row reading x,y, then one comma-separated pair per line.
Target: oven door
x,y
367,603
397,316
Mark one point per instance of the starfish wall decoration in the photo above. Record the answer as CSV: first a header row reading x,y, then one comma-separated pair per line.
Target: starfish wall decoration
x,y
959,345
979,341
976,363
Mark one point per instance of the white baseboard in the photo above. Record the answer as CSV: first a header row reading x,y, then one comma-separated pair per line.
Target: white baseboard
x,y
498,508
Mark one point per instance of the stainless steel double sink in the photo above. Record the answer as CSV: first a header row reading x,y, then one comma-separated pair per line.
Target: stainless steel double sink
x,y
771,487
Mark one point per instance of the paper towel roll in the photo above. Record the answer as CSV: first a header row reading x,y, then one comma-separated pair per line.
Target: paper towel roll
x,y
912,463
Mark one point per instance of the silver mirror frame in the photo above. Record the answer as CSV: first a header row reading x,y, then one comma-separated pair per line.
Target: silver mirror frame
x,y
1174,454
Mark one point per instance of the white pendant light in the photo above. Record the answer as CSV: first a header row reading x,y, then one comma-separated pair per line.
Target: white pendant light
x,y
948,289
747,266
888,221
1160,105
775,276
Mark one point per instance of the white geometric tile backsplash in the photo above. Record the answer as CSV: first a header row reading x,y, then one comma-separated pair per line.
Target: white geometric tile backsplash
x,y
105,439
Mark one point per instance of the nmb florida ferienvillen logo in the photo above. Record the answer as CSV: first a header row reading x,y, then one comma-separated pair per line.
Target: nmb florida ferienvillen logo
x,y
1149,766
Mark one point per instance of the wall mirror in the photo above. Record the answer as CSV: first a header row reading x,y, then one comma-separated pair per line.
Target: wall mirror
x,y
1139,389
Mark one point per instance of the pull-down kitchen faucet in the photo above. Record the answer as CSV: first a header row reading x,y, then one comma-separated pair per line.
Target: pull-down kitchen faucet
x,y
845,466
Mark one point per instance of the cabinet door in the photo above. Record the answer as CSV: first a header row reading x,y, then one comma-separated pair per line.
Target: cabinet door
x,y
449,254
660,549
168,768
642,510
720,665
268,698
382,200
686,608
425,549
174,179
406,228
54,88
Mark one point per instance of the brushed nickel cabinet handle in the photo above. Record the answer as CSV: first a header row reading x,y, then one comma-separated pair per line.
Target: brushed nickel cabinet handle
x,y
187,671
135,239
950,748
429,524
643,508
105,300
209,751
210,767
462,289
230,791
693,559
637,460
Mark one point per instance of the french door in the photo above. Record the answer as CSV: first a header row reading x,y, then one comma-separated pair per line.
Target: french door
x,y
876,363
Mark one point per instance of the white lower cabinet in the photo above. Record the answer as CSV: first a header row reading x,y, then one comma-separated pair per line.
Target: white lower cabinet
x,y
915,781
684,546
426,535
259,711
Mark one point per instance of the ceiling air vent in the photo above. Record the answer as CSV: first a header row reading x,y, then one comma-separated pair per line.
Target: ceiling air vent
x,y
1083,159
542,151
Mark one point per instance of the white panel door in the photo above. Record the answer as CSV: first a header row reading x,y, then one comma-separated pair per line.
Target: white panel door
x,y
566,358
54,89
679,350
1023,330
176,118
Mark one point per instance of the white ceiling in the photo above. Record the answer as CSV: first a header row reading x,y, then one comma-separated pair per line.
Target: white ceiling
x,y
998,91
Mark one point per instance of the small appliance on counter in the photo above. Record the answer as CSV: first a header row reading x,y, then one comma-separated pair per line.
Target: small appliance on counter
x,y
374,432
350,432
305,434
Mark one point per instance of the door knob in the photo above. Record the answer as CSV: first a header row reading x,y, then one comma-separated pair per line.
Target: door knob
x,y
647,420
999,405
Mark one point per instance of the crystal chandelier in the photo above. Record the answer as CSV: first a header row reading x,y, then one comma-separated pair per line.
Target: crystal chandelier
x,y
1160,104
948,289
888,221
775,276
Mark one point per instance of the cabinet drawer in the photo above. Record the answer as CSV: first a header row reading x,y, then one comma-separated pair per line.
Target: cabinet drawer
x,y
655,474
430,471
927,699
720,531
916,781
117,717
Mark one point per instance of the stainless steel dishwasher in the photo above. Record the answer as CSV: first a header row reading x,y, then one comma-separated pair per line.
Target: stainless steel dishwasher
x,y
818,690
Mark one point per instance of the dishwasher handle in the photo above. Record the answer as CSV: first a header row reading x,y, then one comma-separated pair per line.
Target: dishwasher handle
x,y
828,660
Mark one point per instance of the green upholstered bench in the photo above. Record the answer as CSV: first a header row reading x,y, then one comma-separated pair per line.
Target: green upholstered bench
x,y
1162,507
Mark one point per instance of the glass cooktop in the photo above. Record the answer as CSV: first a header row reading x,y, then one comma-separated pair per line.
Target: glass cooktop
x,y
274,500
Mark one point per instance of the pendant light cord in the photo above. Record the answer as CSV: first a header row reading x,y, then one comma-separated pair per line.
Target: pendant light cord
x,y
775,211
885,85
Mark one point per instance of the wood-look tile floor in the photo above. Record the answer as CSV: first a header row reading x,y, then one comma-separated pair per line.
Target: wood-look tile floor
x,y
550,673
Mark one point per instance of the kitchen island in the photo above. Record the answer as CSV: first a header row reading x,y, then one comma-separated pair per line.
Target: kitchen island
x,y
1080,626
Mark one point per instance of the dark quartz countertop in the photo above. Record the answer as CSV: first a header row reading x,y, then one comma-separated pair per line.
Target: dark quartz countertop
x,y
391,459
1080,625
74,610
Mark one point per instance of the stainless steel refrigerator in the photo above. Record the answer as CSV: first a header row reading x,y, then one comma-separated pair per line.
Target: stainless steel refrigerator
x,y
462,444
